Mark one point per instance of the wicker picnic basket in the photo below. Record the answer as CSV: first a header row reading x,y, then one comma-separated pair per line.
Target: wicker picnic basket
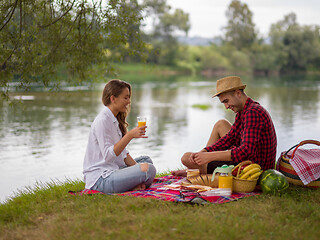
x,y
243,185
284,166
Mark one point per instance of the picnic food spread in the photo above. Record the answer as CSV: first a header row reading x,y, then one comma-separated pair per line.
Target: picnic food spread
x,y
242,178
225,180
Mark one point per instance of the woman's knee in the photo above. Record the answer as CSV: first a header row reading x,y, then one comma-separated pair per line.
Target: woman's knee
x,y
144,167
150,172
147,167
150,175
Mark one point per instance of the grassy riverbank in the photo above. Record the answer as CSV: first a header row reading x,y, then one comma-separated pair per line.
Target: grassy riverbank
x,y
139,69
153,70
49,212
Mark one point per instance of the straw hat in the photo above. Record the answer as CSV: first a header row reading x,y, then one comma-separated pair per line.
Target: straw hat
x,y
228,84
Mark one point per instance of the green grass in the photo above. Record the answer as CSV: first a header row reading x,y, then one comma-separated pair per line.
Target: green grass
x,y
137,72
148,68
47,211
144,69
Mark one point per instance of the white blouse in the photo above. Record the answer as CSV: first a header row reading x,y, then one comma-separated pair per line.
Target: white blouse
x,y
100,158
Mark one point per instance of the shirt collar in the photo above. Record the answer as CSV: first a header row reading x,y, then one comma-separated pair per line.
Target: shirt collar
x,y
248,102
110,114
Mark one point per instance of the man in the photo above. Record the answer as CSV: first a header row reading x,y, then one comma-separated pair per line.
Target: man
x,y
251,137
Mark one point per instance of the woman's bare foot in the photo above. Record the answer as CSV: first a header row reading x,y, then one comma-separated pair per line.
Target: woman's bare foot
x,y
139,187
179,173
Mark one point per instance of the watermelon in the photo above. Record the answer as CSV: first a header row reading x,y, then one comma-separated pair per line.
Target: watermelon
x,y
273,181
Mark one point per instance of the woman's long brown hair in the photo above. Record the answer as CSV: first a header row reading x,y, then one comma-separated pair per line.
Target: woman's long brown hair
x,y
114,88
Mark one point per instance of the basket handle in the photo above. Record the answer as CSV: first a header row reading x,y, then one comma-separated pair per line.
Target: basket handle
x,y
241,164
300,144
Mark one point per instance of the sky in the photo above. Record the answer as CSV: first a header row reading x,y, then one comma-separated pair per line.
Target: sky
x,y
207,17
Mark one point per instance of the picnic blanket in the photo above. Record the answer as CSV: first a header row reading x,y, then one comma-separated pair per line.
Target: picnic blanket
x,y
306,163
158,190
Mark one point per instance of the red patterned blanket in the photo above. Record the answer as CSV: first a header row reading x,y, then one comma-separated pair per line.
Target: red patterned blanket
x,y
159,191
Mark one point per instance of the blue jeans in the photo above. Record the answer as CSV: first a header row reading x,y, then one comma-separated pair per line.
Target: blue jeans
x,y
127,178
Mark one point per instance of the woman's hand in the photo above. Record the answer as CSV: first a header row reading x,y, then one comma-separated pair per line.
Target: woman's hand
x,y
129,161
138,132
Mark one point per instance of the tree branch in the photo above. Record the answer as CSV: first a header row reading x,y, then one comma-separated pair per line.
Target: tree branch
x,y
63,38
53,22
4,64
20,19
14,8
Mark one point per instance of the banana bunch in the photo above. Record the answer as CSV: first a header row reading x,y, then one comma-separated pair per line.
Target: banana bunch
x,y
251,172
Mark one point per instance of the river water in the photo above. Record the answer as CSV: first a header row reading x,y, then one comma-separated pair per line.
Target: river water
x,y
44,137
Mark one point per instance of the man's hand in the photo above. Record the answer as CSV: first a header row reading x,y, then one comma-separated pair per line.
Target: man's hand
x,y
201,158
191,158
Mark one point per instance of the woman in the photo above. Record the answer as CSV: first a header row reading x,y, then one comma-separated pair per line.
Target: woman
x,y
108,166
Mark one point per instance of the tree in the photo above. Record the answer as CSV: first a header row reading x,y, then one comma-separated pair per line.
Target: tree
x,y
40,37
264,59
240,30
297,46
165,26
278,29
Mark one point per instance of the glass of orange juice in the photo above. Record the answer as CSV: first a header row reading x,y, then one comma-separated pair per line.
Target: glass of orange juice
x,y
141,121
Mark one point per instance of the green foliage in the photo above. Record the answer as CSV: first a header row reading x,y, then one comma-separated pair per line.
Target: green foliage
x,y
297,46
189,58
197,58
211,58
264,58
38,37
202,106
240,61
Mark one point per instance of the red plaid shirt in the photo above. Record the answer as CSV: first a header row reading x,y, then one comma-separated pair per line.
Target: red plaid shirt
x,y
252,137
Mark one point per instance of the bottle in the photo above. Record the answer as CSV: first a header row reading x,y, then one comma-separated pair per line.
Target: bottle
x,y
226,181
225,178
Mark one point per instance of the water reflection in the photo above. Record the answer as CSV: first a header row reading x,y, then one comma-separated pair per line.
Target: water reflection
x,y
45,137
